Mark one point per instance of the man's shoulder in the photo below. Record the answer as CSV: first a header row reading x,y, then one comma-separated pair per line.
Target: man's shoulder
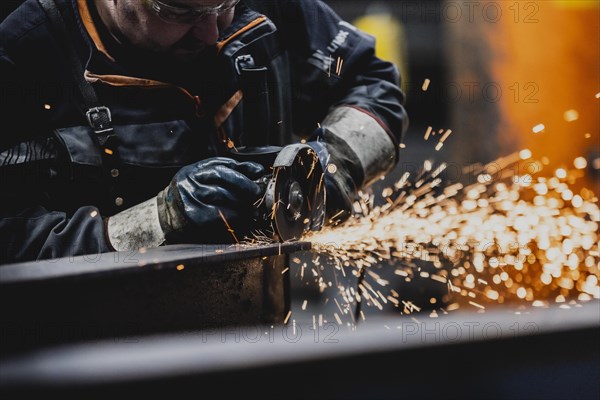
x,y
27,17
24,23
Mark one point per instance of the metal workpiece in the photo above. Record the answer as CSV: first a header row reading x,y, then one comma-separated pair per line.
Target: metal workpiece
x,y
166,289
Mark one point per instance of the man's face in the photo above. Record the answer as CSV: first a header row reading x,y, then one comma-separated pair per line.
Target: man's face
x,y
140,24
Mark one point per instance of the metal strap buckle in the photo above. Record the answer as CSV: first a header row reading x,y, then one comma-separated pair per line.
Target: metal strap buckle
x,y
100,119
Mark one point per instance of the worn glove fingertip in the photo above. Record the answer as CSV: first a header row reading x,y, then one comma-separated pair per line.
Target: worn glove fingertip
x,y
252,170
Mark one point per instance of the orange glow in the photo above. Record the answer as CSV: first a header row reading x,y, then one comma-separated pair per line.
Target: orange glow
x,y
558,57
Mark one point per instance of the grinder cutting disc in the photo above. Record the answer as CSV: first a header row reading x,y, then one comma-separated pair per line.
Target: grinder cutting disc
x,y
296,193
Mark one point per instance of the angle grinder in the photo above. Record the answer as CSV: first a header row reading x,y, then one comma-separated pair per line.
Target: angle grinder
x,y
294,192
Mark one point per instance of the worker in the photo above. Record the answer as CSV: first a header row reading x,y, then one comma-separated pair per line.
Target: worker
x,y
117,117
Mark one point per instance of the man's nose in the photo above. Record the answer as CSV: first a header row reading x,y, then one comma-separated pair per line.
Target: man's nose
x,y
206,30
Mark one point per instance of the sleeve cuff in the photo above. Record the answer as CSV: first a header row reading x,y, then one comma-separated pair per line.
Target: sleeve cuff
x,y
136,227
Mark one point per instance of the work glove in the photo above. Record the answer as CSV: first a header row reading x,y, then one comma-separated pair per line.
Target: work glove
x,y
340,186
355,151
211,201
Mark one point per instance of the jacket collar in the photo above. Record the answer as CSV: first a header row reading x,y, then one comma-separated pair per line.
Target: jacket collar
x,y
245,18
86,21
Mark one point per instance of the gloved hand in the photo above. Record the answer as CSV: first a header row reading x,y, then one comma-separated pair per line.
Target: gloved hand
x,y
360,148
206,202
206,199
341,175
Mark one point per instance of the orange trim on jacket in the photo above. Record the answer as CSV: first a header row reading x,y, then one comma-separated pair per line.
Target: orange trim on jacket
x,y
251,25
88,23
227,108
124,81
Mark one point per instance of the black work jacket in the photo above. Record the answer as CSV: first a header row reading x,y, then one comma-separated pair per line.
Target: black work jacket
x,y
56,192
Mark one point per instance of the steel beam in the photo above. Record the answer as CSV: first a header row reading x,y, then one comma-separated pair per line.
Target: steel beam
x,y
167,289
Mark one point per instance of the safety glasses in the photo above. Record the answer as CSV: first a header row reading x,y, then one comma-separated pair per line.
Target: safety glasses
x,y
186,15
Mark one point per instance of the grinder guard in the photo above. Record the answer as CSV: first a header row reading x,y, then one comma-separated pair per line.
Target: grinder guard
x,y
295,195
